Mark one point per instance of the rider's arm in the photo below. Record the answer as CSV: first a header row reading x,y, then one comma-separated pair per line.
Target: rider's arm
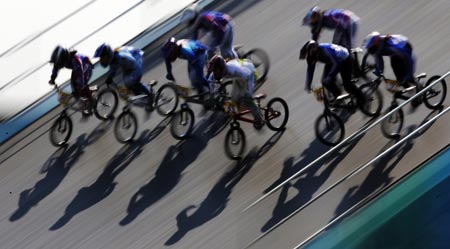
x,y
310,74
53,75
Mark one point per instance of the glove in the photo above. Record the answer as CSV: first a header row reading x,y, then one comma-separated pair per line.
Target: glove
x,y
378,73
170,77
51,81
108,81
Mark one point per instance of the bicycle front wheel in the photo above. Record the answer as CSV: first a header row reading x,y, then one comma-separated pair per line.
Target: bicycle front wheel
x,y
166,100
374,104
392,125
61,130
435,96
235,142
126,127
182,124
329,128
277,114
106,104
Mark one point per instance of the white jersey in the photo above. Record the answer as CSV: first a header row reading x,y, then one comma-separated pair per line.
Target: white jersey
x,y
242,71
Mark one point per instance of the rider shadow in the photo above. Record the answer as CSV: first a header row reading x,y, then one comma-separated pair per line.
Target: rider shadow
x,y
377,179
105,183
217,199
178,157
307,183
56,168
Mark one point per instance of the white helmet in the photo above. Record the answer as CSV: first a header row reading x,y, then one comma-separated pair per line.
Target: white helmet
x,y
190,13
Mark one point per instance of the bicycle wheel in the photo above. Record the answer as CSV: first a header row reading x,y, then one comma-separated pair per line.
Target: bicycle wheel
x,y
166,100
374,100
261,62
329,128
392,125
435,96
61,130
367,65
235,142
106,104
277,114
182,123
125,127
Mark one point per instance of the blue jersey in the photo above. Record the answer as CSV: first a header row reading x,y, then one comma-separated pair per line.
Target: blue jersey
x,y
328,53
212,21
191,50
338,19
399,47
128,59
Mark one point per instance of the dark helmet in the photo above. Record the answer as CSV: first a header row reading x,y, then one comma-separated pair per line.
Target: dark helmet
x,y
308,50
217,65
104,51
60,57
168,49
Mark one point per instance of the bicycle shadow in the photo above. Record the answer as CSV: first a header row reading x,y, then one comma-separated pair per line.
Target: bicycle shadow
x,y
99,131
377,179
55,169
178,157
105,183
217,199
425,120
307,183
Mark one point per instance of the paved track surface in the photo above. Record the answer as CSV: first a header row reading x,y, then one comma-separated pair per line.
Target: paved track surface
x,y
161,193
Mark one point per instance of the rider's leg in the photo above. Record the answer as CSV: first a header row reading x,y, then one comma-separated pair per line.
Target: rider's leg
x,y
133,82
349,86
247,101
330,86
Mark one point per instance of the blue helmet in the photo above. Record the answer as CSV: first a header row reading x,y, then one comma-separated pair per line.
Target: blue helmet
x,y
312,16
371,41
105,53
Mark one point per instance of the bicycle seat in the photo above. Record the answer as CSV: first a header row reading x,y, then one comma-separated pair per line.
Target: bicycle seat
x,y
356,50
93,88
342,96
152,83
421,75
260,96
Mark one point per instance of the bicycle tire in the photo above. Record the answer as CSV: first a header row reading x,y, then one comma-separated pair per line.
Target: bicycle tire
x,y
375,100
395,120
432,92
333,125
270,111
366,65
62,125
183,118
166,90
235,136
126,121
99,102
261,61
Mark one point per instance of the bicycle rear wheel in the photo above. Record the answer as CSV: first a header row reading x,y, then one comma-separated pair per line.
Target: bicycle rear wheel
x,y
182,123
435,96
166,100
106,104
374,100
125,127
392,125
329,128
235,142
277,114
261,62
61,130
